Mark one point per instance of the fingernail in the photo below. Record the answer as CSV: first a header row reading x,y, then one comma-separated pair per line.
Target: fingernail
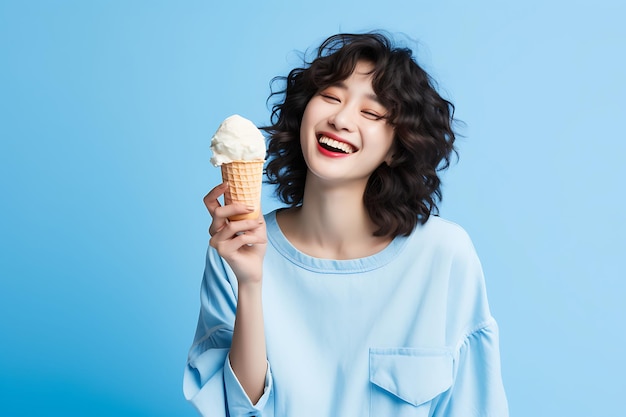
x,y
250,208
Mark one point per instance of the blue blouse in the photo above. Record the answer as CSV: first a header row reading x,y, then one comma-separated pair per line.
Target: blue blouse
x,y
405,332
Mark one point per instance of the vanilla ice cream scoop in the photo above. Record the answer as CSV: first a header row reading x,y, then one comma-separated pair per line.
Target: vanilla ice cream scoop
x,y
239,149
237,139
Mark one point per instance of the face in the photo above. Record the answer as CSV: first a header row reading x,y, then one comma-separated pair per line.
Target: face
x,y
344,133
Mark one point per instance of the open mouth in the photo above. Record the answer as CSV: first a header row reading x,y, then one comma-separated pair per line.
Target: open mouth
x,y
333,145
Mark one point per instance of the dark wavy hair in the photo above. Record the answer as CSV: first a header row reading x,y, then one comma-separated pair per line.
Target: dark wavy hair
x,y
399,195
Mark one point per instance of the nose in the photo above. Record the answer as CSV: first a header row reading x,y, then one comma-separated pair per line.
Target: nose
x,y
342,119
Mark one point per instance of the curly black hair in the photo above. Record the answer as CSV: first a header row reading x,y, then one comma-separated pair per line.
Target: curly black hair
x,y
399,195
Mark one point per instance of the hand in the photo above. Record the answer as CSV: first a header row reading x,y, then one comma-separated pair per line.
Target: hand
x,y
241,243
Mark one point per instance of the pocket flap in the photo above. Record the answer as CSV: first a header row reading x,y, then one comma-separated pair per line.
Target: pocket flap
x,y
411,374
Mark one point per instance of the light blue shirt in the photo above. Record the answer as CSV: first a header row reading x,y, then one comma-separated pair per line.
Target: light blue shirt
x,y
405,332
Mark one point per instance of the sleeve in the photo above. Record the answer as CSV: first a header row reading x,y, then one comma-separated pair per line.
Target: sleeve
x,y
209,382
477,390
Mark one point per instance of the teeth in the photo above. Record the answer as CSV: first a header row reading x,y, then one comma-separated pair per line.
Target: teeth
x,y
342,146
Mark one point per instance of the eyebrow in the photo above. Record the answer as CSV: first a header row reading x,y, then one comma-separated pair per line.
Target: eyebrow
x,y
343,86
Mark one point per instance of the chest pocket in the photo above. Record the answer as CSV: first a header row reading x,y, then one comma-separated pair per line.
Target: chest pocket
x,y
405,381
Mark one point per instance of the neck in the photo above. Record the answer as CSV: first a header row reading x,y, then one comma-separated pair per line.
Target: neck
x,y
332,223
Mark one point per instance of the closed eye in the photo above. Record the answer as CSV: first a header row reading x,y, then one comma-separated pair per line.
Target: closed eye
x,y
329,97
372,115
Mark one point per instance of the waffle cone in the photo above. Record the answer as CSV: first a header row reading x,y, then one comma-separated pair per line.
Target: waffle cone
x,y
244,186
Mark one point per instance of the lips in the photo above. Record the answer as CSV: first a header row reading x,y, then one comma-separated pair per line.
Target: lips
x,y
334,145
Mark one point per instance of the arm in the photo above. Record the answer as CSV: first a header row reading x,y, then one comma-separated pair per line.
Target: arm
x,y
209,382
242,244
247,352
230,325
477,390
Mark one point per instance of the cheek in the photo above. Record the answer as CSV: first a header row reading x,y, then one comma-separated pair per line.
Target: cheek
x,y
386,137
306,127
307,117
313,114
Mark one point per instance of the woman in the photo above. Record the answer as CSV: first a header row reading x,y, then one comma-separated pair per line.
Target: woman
x,y
354,300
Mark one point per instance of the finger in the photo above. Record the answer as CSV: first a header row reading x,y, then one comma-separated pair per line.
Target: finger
x,y
222,213
241,241
239,226
210,200
233,209
217,226
249,239
232,229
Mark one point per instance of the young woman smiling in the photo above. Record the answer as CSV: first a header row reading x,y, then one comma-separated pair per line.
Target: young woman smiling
x,y
354,299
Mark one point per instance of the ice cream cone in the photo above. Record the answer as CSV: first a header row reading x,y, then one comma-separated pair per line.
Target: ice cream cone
x,y
244,185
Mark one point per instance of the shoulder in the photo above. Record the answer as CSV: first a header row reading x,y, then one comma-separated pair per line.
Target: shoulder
x,y
449,247
443,236
443,227
271,215
270,221
454,252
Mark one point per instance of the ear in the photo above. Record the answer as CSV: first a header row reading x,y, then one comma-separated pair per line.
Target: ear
x,y
390,154
389,158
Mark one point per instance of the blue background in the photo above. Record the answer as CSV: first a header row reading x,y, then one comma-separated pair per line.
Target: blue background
x,y
106,112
